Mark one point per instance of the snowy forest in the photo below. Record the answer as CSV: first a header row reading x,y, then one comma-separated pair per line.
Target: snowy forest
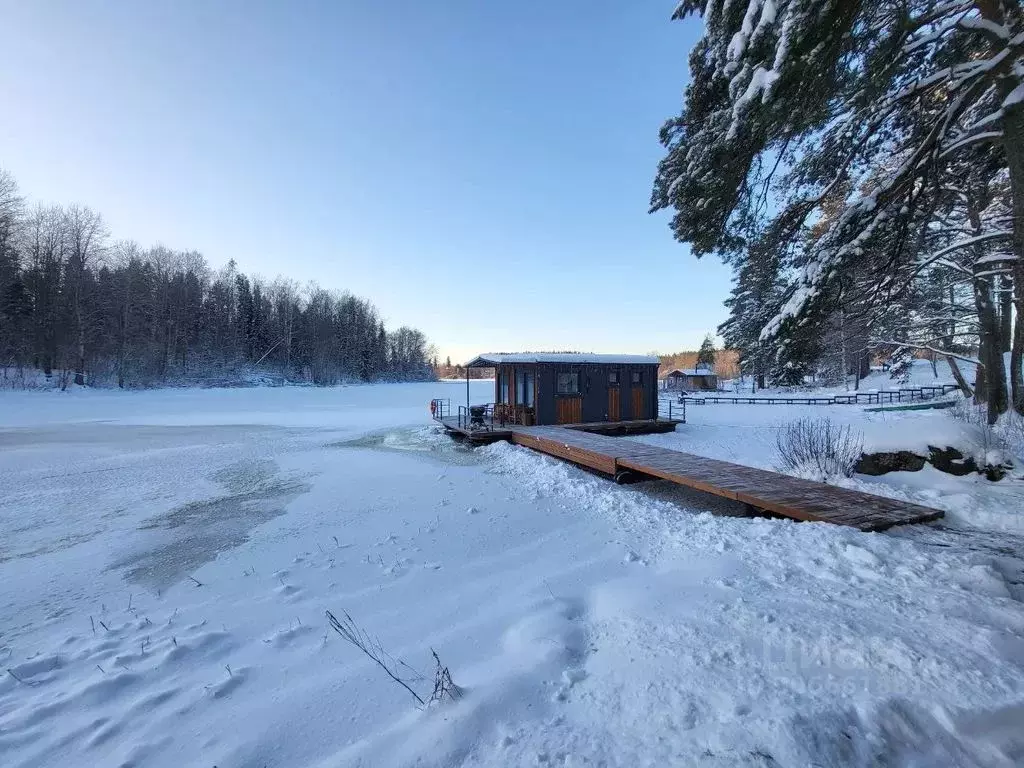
x,y
860,165
77,306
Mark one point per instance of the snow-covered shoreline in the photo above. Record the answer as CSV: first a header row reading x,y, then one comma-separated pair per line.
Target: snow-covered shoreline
x,y
168,557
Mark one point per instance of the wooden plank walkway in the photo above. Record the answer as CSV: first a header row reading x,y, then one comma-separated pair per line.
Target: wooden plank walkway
x,y
763,490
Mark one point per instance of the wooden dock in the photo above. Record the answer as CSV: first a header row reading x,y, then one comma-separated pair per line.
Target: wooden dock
x,y
492,431
764,491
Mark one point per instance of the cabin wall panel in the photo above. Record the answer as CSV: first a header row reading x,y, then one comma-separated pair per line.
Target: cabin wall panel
x,y
546,394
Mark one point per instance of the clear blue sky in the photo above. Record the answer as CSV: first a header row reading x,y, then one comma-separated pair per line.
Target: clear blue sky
x,y
480,170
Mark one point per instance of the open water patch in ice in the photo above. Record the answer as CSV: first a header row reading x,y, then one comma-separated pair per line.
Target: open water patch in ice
x,y
429,442
194,533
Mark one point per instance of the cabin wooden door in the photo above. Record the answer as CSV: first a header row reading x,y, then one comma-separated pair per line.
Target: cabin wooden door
x,y
568,410
638,402
614,407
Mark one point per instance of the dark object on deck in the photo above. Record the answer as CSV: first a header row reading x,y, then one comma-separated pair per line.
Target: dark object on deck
x,y
476,415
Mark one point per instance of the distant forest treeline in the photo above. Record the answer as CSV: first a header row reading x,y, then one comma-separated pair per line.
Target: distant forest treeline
x,y
448,370
77,306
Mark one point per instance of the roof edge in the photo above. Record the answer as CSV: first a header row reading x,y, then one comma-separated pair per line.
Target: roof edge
x,y
490,359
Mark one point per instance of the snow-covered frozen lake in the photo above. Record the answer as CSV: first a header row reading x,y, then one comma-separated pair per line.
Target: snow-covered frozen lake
x,y
167,558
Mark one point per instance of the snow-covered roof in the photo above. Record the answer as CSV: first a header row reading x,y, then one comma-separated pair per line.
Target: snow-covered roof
x,y
690,372
499,358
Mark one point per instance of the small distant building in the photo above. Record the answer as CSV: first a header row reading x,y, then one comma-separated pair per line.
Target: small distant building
x,y
571,388
692,380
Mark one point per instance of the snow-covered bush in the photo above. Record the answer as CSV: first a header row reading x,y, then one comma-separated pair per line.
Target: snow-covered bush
x,y
818,448
990,438
1010,430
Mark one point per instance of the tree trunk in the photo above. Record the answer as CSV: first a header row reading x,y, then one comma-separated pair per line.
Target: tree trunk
x,y
1005,312
80,344
952,314
1017,348
1013,144
989,352
961,382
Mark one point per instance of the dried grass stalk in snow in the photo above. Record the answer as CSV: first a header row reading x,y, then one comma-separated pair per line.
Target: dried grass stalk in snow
x,y
819,447
400,672
444,686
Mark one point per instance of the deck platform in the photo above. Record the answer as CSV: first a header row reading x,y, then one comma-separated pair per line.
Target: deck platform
x,y
494,431
765,491
489,433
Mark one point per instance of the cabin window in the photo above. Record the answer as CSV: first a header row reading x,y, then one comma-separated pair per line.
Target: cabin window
x,y
613,378
503,379
568,383
524,388
636,378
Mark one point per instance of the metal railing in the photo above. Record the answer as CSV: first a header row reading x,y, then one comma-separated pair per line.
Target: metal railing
x,y
484,416
902,395
669,408
440,408
506,413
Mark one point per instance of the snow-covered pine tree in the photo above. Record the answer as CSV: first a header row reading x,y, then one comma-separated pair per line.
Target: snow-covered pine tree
x,y
757,294
706,354
789,99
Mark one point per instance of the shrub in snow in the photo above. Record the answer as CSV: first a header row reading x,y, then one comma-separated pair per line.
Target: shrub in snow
x,y
818,448
997,444
1010,431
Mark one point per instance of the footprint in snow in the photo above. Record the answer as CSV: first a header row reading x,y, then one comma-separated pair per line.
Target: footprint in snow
x,y
633,557
286,637
289,592
399,567
234,678
570,677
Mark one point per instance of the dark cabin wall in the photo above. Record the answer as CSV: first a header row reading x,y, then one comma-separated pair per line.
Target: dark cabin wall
x,y
593,389
545,394
652,391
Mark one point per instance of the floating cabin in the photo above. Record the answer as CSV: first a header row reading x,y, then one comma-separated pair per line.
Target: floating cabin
x,y
618,393
692,380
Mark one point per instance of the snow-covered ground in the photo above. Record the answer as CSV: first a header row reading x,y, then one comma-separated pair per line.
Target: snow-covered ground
x,y
167,559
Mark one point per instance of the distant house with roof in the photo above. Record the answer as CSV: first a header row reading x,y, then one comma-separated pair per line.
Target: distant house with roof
x,y
691,380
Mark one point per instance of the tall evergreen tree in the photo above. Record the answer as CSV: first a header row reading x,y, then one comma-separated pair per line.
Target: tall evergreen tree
x,y
793,100
706,354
